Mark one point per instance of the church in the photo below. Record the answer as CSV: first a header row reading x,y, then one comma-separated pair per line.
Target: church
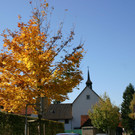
x,y
74,115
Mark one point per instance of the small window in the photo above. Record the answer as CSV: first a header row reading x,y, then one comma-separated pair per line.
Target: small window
x,y
66,121
87,97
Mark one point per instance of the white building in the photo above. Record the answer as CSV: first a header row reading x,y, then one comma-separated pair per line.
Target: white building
x,y
74,115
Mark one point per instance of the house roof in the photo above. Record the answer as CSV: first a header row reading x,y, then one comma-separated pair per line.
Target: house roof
x,y
59,112
30,111
87,123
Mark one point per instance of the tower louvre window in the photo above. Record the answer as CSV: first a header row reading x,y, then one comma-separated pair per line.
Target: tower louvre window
x,y
89,82
88,97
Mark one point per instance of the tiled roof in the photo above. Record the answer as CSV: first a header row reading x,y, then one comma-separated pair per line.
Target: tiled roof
x,y
59,112
87,123
30,111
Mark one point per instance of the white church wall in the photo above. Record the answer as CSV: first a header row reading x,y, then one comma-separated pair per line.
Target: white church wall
x,y
82,104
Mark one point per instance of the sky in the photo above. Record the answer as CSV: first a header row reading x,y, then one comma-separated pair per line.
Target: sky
x,y
107,28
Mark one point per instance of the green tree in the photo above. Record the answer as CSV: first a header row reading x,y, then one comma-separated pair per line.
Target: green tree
x,y
127,122
104,115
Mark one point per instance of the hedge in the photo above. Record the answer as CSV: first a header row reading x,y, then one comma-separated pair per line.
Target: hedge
x,y
11,124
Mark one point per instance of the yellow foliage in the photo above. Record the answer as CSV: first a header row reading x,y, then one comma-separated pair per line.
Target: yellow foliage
x,y
132,108
31,65
104,115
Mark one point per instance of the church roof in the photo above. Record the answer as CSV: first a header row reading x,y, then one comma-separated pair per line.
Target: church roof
x,y
83,91
88,85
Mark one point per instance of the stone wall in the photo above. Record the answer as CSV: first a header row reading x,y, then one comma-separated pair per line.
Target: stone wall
x,y
89,131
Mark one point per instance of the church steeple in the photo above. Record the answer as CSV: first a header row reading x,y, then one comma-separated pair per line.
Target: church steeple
x,y
89,83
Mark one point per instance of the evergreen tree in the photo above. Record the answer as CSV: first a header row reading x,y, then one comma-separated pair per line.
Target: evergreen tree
x,y
127,122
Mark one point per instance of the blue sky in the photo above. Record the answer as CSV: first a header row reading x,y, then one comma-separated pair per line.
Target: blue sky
x,y
108,30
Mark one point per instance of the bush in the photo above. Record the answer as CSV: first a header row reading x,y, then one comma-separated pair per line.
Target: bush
x,y
11,124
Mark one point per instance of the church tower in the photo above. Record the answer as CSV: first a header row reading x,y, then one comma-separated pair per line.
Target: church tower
x,y
89,82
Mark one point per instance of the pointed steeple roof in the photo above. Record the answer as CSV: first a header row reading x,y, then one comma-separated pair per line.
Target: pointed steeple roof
x,y
88,82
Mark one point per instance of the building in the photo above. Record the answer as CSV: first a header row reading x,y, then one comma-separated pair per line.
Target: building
x,y
74,115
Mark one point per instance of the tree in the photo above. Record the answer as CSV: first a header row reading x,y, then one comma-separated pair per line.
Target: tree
x,y
56,102
104,115
132,108
33,63
127,122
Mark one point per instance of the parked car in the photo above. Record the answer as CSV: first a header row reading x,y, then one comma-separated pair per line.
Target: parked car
x,y
101,134
67,134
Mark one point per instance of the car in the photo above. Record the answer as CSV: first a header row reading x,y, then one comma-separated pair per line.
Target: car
x,y
101,134
67,134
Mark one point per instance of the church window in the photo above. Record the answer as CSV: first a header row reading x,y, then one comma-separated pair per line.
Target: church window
x,y
87,97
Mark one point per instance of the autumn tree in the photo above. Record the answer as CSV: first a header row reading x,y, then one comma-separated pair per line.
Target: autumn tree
x,y
132,108
33,63
104,115
127,122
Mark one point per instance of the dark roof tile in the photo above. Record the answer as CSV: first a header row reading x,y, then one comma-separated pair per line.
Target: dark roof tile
x,y
59,112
